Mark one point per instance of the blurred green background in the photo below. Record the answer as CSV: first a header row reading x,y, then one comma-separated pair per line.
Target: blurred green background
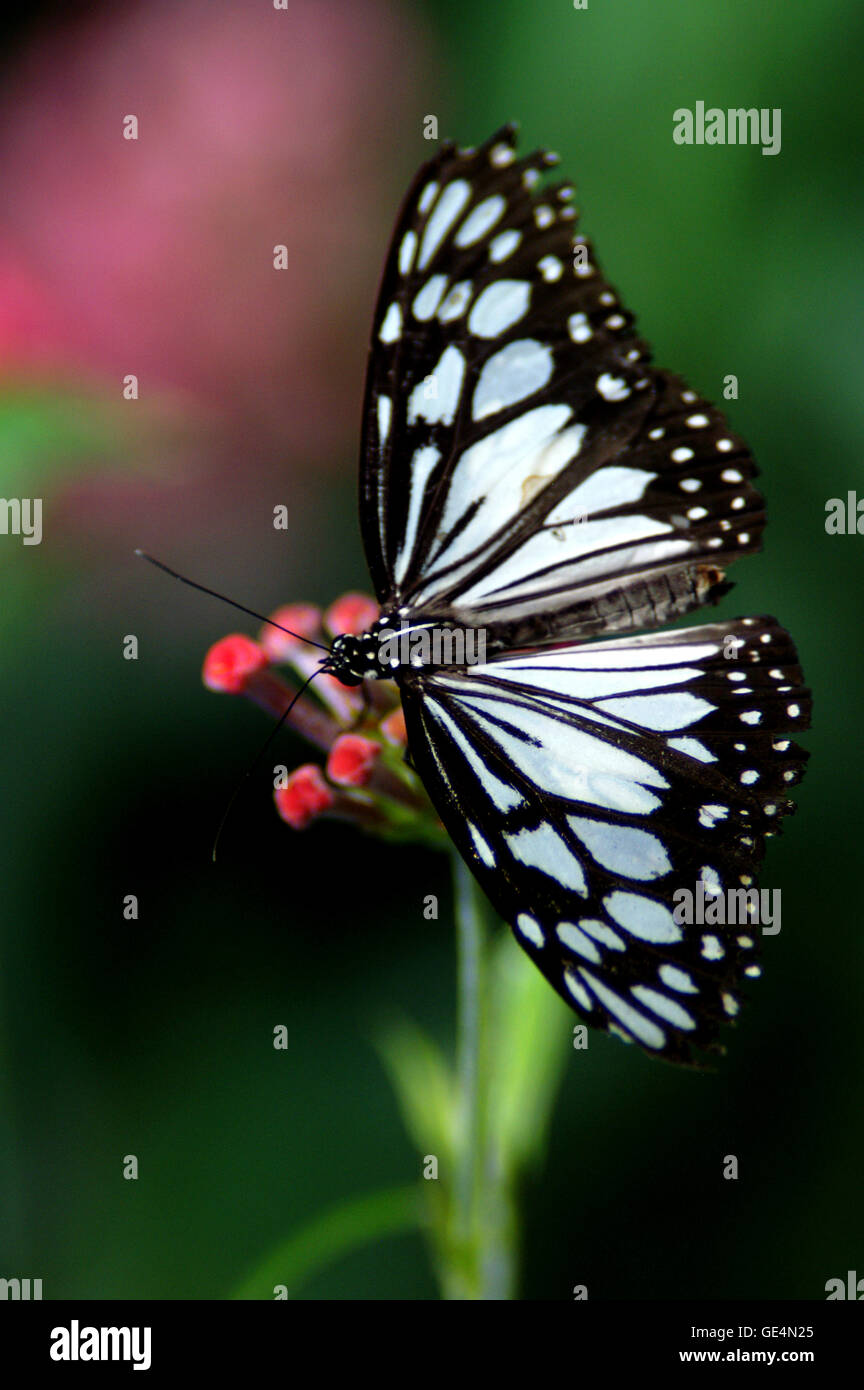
x,y
154,1037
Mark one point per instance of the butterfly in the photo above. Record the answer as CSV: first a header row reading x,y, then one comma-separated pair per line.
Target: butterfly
x,y
528,475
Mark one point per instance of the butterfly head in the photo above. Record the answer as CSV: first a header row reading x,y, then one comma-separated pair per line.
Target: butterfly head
x,y
357,657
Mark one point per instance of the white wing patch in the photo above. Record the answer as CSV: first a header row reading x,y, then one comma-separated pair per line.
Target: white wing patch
x,y
407,249
569,674
623,849
663,1006
570,762
385,414
582,551
648,1033
498,307
427,299
525,454
456,302
448,207
391,325
612,486
482,846
662,712
542,847
436,399
503,796
509,376
576,940
422,467
643,917
504,245
480,220
530,929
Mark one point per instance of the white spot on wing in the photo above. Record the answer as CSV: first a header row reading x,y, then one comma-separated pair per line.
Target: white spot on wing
x,y
407,248
709,815
529,929
579,328
497,470
693,748
635,1022
428,298
677,979
541,847
712,948
517,371
427,197
577,941
578,990
563,673
498,307
566,761
661,712
643,917
480,220
447,209
622,849
482,846
550,268
600,932
442,407
612,388
503,245
502,796
456,302
391,326
385,412
663,1006
422,465
612,486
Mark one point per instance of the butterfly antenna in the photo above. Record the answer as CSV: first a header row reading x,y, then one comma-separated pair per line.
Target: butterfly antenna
x,y
252,766
234,604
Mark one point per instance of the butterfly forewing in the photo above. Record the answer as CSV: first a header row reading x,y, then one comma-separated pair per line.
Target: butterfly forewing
x,y
524,466
586,785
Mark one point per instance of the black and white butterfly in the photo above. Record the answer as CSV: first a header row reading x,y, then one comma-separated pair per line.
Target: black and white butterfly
x,y
526,472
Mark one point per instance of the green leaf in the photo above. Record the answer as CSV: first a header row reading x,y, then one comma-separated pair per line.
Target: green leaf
x,y
425,1088
345,1227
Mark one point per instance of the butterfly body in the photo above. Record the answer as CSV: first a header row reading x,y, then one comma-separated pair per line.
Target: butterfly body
x,y
529,480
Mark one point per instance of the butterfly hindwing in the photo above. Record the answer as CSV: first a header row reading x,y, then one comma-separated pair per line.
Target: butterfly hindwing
x,y
586,785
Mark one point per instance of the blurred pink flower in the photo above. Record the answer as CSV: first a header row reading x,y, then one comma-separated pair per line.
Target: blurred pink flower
x,y
257,127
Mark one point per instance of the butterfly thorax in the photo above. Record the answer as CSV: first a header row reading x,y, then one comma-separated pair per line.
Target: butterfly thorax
x,y
397,641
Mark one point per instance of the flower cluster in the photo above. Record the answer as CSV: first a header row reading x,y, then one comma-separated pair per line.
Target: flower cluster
x,y
365,778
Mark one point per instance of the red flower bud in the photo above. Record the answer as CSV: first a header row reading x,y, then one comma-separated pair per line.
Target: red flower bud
x,y
393,727
305,796
352,760
352,613
230,662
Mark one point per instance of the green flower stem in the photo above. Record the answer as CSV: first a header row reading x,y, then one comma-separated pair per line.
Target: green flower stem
x,y
483,1237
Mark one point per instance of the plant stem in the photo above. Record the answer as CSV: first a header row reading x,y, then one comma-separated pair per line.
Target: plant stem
x,y
483,1266
471,950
